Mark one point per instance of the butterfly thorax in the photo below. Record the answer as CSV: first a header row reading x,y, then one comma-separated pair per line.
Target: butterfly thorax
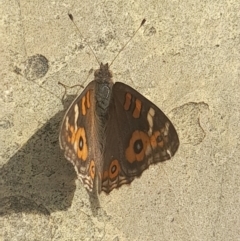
x,y
104,83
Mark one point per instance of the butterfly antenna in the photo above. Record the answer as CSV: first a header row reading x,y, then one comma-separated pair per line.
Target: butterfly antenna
x,y
142,23
71,17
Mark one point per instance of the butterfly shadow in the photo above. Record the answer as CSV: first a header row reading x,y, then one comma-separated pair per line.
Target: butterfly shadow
x,y
38,178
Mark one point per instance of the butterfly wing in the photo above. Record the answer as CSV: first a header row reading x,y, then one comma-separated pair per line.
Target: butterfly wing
x,y
137,134
77,134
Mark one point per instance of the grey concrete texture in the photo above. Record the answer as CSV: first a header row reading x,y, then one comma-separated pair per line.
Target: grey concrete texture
x,y
185,59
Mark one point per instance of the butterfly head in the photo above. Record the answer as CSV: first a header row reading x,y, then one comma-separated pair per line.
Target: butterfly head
x,y
103,74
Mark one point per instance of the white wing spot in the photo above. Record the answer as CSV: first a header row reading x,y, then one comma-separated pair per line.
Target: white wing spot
x,y
76,112
170,154
150,116
166,129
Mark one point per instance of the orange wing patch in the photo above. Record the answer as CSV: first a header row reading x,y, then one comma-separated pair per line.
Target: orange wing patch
x,y
92,169
85,103
128,100
137,110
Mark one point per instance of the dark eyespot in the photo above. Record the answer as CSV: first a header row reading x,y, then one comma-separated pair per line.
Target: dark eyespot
x,y
113,169
159,138
81,143
138,146
93,168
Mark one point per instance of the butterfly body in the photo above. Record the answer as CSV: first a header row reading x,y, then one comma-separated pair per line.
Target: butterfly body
x,y
112,133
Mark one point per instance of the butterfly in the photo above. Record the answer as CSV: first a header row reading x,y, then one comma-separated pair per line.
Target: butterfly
x,y
111,133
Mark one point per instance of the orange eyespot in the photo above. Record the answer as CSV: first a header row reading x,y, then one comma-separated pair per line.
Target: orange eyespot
x,y
80,144
114,169
157,140
137,146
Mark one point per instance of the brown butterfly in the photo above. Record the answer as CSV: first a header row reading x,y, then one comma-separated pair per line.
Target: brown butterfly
x,y
111,133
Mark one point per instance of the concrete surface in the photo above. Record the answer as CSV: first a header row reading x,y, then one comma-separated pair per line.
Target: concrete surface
x,y
185,59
